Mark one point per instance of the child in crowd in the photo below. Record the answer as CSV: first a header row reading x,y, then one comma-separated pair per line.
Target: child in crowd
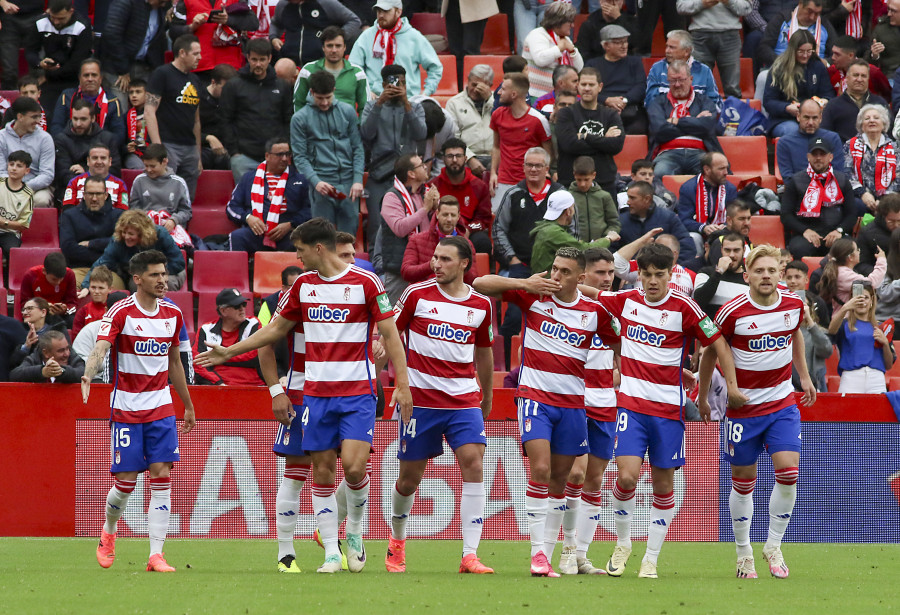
x,y
135,125
163,195
101,282
596,213
54,282
29,87
16,202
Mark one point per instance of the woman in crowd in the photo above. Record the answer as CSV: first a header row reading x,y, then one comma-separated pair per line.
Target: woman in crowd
x,y
889,290
550,45
817,344
866,353
37,319
796,75
870,158
838,274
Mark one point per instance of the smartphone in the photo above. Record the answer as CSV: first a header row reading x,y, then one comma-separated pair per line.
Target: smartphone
x,y
215,12
393,80
856,289
802,294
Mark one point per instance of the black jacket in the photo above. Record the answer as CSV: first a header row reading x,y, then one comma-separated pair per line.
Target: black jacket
x,y
662,131
302,25
843,215
77,224
30,369
115,115
68,46
516,216
126,26
871,237
581,132
73,149
54,323
253,111
588,42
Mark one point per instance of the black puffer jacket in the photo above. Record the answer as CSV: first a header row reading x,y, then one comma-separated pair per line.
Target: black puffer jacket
x,y
253,111
73,149
302,25
123,35
79,224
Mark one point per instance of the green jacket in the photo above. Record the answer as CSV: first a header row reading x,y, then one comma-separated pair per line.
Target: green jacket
x,y
548,237
350,85
596,213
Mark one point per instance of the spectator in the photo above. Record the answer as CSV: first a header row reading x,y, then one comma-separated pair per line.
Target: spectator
x,y
12,336
791,151
471,111
682,125
839,276
135,232
405,211
796,278
269,304
439,127
98,163
596,215
162,195
889,291
16,202
136,137
395,42
716,31
610,13
255,107
171,112
17,22
265,12
87,228
389,126
350,81
854,328
74,144
56,45
550,45
551,233
466,21
301,23
840,114
565,99
870,158
885,48
213,154
109,112
806,16
737,220
517,128
718,284
680,46
643,215
816,344
817,206
565,79
648,13
843,56
795,76
626,268
22,134
445,222
98,290
642,171
218,26
589,129
703,200
52,361
852,17
269,202
512,64
471,193
231,327
54,282
286,70
37,320
29,87
623,80
325,138
877,233
134,40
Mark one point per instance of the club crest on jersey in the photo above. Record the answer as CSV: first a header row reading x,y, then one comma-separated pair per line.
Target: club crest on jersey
x,y
168,327
663,319
527,425
557,331
584,321
151,348
346,293
118,457
787,321
470,316
403,445
323,313
287,438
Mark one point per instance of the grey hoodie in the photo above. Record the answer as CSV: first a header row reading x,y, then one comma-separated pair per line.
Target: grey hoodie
x,y
388,132
43,155
165,193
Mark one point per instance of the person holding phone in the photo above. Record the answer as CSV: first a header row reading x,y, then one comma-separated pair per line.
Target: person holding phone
x,y
866,352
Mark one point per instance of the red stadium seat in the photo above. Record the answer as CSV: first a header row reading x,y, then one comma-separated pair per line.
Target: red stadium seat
x,y
214,190
658,46
580,18
184,299
10,95
206,308
834,383
747,83
764,181
499,376
635,148
894,384
812,262
767,229
447,86
672,183
23,259
515,351
648,62
894,372
496,35
128,176
44,229
267,268
429,23
4,309
778,176
746,154
755,103
495,62
831,363
206,222
482,264
215,270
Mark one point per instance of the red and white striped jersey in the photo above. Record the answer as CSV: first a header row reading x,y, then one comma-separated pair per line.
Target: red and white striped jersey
x,y
555,345
761,340
141,341
655,339
682,279
337,316
296,376
441,335
599,393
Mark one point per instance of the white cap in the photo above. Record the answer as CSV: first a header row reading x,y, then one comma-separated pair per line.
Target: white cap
x,y
387,5
557,203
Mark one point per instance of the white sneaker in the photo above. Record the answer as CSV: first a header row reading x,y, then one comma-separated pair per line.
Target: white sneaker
x,y
567,561
746,568
585,566
777,566
616,564
648,570
356,553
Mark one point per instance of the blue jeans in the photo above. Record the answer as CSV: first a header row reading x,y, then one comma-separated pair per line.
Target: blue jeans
x,y
527,20
678,162
343,213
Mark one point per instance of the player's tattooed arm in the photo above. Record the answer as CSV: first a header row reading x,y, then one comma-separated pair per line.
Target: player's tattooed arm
x,y
152,100
94,362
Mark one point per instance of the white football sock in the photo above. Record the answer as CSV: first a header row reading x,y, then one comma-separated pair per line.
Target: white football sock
x,y
661,515
471,516
586,523
781,504
536,509
400,507
623,508
116,501
158,512
570,518
325,506
740,504
357,496
556,509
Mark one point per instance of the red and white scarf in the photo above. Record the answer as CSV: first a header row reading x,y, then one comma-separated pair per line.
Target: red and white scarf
x,y
179,235
101,105
680,108
137,131
276,197
853,26
566,58
885,163
539,196
795,25
385,45
405,197
265,11
718,216
818,196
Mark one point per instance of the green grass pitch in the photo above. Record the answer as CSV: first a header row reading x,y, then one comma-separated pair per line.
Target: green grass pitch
x,y
44,575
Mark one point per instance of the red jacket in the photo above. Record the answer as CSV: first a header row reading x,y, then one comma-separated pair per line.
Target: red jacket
x,y
474,199
416,265
213,55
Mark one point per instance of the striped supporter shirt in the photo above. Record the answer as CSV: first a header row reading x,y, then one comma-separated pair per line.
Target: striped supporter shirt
x,y
441,335
655,340
555,345
761,340
141,341
337,315
599,394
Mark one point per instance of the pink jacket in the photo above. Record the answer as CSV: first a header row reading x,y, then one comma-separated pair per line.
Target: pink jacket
x,y
394,214
846,277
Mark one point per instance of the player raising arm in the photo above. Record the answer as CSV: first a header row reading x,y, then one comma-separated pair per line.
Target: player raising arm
x,y
762,328
144,333
337,304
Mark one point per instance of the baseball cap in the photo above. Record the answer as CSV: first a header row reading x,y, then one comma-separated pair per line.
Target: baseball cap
x,y
231,297
613,31
387,5
819,143
557,203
